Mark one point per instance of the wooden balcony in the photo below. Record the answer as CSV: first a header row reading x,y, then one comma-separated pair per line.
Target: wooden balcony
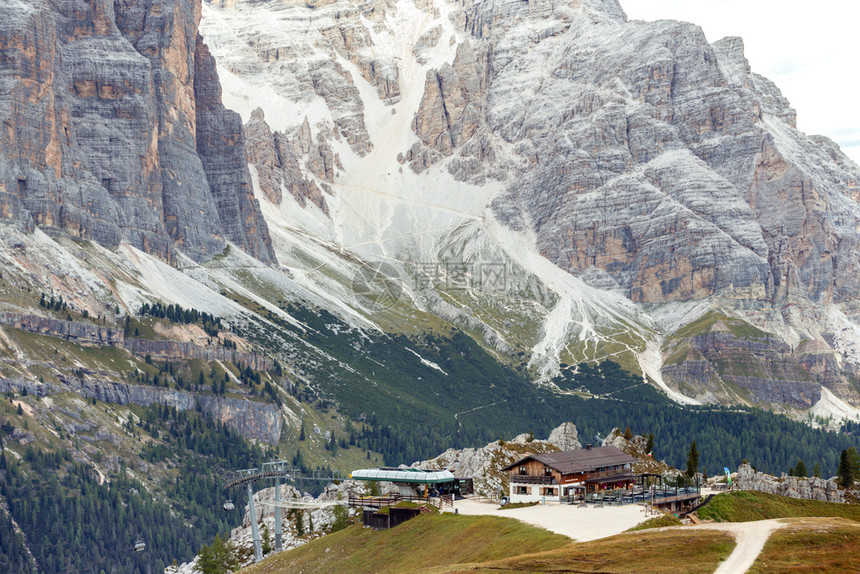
x,y
530,479
609,474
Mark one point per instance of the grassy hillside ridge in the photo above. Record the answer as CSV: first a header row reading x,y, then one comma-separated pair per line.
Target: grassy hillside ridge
x,y
672,552
451,543
424,542
746,506
811,545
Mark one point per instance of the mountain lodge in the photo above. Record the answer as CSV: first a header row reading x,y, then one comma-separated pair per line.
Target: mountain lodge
x,y
559,475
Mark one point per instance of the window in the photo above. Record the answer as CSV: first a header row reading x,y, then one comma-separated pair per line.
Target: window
x,y
524,490
524,470
549,492
547,471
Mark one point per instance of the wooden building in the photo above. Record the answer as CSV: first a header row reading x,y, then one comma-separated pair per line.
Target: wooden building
x,y
557,475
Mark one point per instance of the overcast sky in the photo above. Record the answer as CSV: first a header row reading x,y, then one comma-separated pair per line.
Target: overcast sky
x,y
811,53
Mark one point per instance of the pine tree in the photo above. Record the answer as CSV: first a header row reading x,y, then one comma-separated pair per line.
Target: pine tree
x,y
854,460
693,461
302,432
300,524
267,540
628,434
845,472
816,471
649,446
800,469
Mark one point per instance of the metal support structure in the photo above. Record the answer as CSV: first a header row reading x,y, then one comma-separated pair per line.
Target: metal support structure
x,y
255,532
278,527
278,470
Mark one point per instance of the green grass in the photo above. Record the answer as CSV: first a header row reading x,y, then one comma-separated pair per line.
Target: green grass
x,y
813,545
682,551
739,328
745,506
657,522
423,542
447,543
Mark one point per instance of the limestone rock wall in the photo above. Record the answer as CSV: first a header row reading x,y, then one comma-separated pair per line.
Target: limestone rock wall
x,y
83,333
251,419
165,349
104,129
276,155
791,486
94,335
484,464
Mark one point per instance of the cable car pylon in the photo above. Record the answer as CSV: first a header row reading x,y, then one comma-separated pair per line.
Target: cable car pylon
x,y
278,470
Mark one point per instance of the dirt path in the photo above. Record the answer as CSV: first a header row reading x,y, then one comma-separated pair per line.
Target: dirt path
x,y
594,523
750,538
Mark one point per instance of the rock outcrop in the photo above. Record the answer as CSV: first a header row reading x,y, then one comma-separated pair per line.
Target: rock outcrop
x,y
316,523
484,464
276,160
81,333
635,447
261,421
92,335
171,350
636,156
116,131
790,486
565,437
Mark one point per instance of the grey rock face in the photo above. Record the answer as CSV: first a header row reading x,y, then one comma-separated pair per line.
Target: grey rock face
x,y
277,163
221,146
565,437
646,158
168,350
104,129
82,333
790,486
96,336
650,163
253,420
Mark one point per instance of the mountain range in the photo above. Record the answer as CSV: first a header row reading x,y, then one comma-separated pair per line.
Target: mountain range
x,y
479,216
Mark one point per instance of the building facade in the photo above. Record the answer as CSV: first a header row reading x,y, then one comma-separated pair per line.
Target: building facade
x,y
559,475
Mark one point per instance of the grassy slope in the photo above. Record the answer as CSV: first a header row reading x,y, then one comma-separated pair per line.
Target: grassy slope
x,y
812,545
745,506
426,541
450,543
657,522
672,552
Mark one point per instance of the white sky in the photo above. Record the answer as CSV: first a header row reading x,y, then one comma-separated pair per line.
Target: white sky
x,y
810,49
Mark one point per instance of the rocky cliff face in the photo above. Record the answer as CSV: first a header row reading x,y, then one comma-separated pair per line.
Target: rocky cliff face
x,y
255,420
484,464
656,169
116,131
791,486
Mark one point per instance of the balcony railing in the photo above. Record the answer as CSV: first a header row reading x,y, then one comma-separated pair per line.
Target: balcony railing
x,y
610,473
530,479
